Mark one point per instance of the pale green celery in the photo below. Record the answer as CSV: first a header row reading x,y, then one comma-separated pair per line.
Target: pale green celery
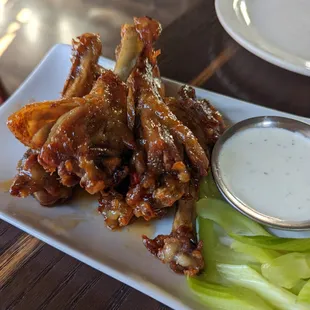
x,y
211,275
208,188
261,255
219,297
288,269
246,277
208,236
304,295
256,267
275,243
214,251
298,287
210,240
225,255
229,219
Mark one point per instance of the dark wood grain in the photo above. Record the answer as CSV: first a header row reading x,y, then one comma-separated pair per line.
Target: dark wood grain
x,y
195,48
196,39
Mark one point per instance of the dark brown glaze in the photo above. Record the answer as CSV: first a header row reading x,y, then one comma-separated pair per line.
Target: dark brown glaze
x,y
33,124
33,179
160,171
86,50
114,209
143,152
161,176
177,250
148,97
199,115
148,31
88,135
180,249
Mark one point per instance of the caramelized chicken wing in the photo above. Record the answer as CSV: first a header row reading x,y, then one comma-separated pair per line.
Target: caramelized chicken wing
x,y
115,133
180,249
199,115
116,212
148,96
86,50
84,137
33,179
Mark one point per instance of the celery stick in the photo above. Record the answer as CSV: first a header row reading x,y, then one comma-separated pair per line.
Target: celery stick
x,y
304,295
211,275
208,237
245,276
226,298
298,287
224,254
275,243
261,255
208,188
288,269
214,251
229,219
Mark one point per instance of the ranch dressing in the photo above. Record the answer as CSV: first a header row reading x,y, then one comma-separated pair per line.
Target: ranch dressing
x,y
269,170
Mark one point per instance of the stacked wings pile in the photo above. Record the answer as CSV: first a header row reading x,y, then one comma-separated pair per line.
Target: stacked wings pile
x,y
115,133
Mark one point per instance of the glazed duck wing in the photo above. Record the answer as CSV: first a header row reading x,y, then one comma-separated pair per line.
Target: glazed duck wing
x,y
158,167
154,182
199,115
165,139
87,144
32,179
148,95
116,133
172,161
86,50
180,249
32,123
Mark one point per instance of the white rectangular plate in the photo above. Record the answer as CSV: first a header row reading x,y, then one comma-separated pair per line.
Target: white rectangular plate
x,y
76,228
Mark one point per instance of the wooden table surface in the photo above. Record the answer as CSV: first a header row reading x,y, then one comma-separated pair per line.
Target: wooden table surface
x,y
195,49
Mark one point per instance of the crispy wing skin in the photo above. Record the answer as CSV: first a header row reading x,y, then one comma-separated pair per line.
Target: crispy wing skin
x,y
116,133
166,175
148,96
159,164
31,178
116,212
84,138
179,131
180,249
199,115
160,174
32,123
86,50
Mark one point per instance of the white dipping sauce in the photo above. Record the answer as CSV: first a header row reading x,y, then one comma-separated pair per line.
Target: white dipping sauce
x,y
269,170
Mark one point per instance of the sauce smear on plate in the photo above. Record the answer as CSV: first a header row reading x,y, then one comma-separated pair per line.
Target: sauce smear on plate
x,y
269,170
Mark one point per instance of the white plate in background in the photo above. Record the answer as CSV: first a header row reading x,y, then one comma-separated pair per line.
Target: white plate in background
x,y
275,30
76,228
